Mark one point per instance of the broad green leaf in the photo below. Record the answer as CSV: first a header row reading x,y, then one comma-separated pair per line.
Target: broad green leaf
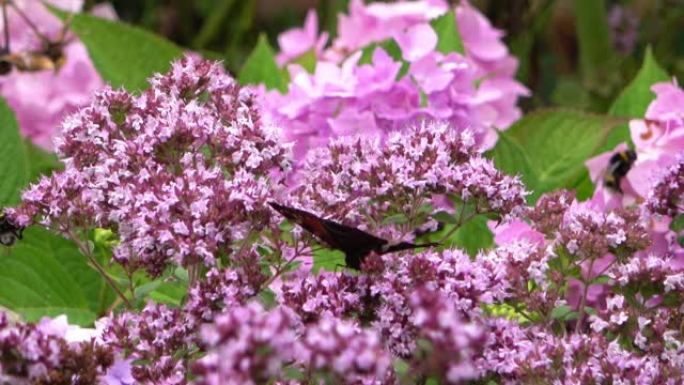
x,y
329,260
171,293
124,55
14,168
556,143
583,187
445,217
635,98
512,159
561,312
40,162
46,275
448,37
261,67
472,236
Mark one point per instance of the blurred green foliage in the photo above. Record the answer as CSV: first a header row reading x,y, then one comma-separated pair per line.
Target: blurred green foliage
x,y
566,48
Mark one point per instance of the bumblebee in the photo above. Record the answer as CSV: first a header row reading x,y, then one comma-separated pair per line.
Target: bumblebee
x,y
9,232
618,167
49,57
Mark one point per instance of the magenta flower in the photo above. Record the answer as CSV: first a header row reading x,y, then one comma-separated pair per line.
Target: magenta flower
x,y
133,165
344,96
667,194
657,139
247,345
298,41
401,175
345,350
40,354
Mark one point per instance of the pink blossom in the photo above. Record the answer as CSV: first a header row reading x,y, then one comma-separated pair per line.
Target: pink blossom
x,y
298,41
42,99
345,96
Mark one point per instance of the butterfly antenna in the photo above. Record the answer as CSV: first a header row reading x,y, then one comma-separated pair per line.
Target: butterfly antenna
x,y
65,29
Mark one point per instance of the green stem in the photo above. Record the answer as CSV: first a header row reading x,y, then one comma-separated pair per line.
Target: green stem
x,y
583,301
93,262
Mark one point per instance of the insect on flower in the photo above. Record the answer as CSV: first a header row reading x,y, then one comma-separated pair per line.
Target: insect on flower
x,y
618,167
354,243
9,232
49,57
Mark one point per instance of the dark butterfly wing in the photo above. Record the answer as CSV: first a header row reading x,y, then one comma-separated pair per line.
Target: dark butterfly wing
x,y
355,243
407,246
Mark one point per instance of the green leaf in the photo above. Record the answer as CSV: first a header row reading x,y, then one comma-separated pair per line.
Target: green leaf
x,y
14,168
307,61
512,159
445,217
46,275
171,293
635,98
677,223
329,260
472,236
551,147
261,67
561,312
597,56
601,279
40,162
448,37
124,55
401,367
395,219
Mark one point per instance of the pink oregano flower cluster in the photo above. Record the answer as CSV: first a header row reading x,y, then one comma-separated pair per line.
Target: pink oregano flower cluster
x,y
573,292
179,171
363,179
44,353
357,87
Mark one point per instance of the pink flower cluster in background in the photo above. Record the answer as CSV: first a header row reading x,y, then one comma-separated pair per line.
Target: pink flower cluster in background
x,y
42,99
345,95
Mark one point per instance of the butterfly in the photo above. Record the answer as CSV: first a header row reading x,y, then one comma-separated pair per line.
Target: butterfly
x,y
9,232
354,243
618,166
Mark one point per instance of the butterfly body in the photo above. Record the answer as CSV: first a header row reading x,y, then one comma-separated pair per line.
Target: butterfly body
x,y
354,243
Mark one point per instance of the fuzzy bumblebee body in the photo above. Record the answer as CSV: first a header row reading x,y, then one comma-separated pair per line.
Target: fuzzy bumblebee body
x,y
618,167
9,232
